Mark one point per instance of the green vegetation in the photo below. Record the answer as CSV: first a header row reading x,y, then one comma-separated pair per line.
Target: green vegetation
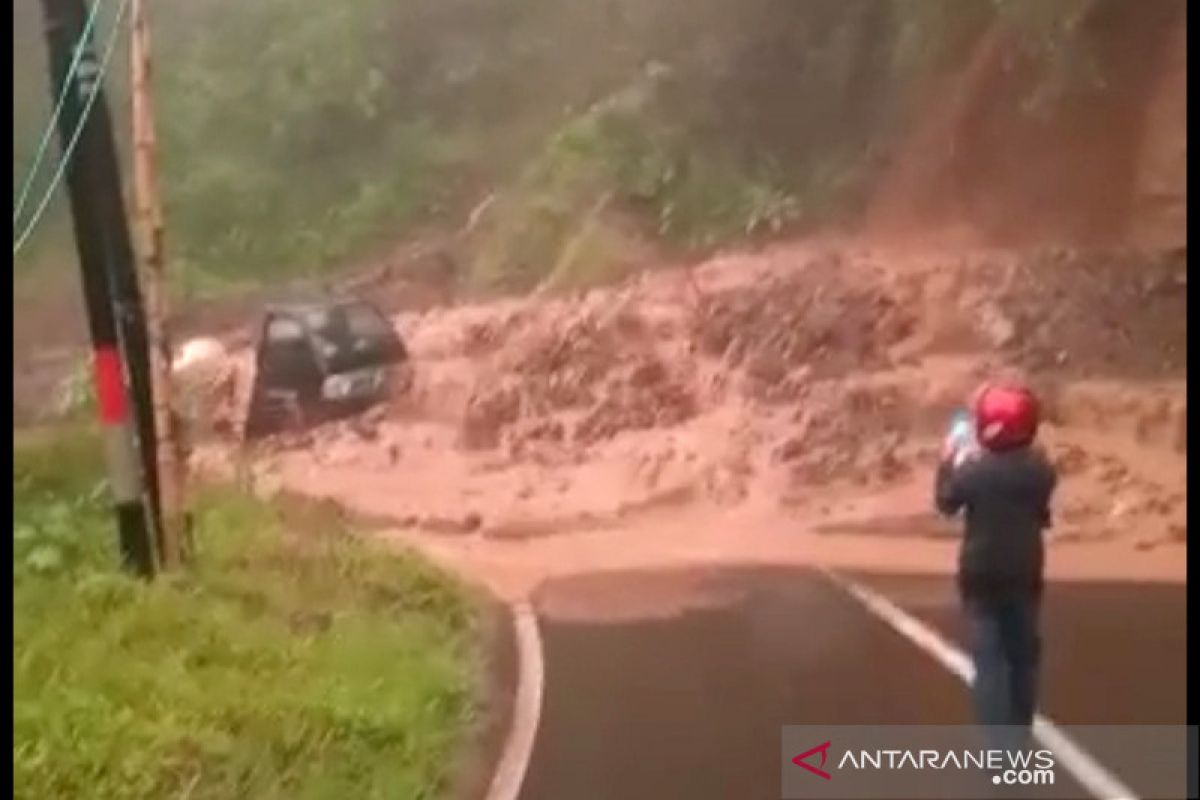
x,y
289,663
75,396
315,158
557,222
300,136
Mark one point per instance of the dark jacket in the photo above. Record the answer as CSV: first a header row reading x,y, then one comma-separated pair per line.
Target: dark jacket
x,y
1006,498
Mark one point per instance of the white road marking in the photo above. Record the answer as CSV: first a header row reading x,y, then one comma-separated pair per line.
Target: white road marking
x,y
1101,783
527,709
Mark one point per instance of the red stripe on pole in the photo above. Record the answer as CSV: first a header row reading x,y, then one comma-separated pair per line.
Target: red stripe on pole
x,y
110,386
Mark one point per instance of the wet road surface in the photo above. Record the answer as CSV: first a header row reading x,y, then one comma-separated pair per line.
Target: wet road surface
x,y
1114,654
690,705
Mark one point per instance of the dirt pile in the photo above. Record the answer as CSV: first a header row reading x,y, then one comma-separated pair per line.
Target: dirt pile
x,y
643,396
1119,313
850,431
822,320
559,379
571,377
792,382
1106,496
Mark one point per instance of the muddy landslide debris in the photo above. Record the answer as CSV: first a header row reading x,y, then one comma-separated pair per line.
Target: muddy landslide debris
x,y
784,372
818,319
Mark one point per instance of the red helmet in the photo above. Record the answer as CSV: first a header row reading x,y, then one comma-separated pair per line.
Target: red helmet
x,y
1006,416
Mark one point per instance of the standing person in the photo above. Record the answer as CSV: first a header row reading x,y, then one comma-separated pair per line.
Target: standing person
x,y
1004,485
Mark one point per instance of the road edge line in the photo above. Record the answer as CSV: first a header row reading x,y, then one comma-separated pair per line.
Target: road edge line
x,y
1083,767
527,710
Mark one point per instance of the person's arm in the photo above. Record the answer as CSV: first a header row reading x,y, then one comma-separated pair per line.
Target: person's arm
x,y
948,494
1051,482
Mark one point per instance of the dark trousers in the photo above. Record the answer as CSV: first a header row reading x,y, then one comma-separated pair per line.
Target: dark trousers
x,y
1007,650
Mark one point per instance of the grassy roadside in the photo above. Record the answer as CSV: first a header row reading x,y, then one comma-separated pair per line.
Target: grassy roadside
x,y
286,665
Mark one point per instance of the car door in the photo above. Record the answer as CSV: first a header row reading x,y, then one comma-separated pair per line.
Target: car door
x,y
287,378
287,362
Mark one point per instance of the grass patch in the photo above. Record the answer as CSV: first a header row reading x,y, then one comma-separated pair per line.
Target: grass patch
x,y
281,666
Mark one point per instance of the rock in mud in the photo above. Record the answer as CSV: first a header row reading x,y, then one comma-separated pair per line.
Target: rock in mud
x,y
997,328
365,427
791,449
886,460
487,414
1071,460
649,372
469,523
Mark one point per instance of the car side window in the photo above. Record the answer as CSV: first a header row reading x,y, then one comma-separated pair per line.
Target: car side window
x,y
287,354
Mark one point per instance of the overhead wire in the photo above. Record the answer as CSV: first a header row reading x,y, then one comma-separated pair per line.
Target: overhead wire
x,y
69,149
52,123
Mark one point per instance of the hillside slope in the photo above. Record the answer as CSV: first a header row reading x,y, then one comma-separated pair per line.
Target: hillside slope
x,y
996,160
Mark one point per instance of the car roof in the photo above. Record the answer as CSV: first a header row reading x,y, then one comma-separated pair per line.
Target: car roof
x,y
325,304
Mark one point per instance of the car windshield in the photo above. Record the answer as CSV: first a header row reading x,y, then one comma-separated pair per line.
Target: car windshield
x,y
351,336
364,322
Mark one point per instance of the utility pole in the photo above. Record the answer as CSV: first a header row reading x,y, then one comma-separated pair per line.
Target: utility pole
x,y
102,242
126,293
171,467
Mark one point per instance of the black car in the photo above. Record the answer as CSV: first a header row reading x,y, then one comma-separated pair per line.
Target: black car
x,y
319,361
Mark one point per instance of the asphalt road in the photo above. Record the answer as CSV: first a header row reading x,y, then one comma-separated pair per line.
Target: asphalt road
x,y
690,705
1115,654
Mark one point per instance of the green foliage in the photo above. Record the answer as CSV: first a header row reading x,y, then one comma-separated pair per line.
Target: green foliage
x,y
62,462
298,136
288,664
57,507
934,36
75,395
559,222
1052,34
527,233
58,539
283,150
